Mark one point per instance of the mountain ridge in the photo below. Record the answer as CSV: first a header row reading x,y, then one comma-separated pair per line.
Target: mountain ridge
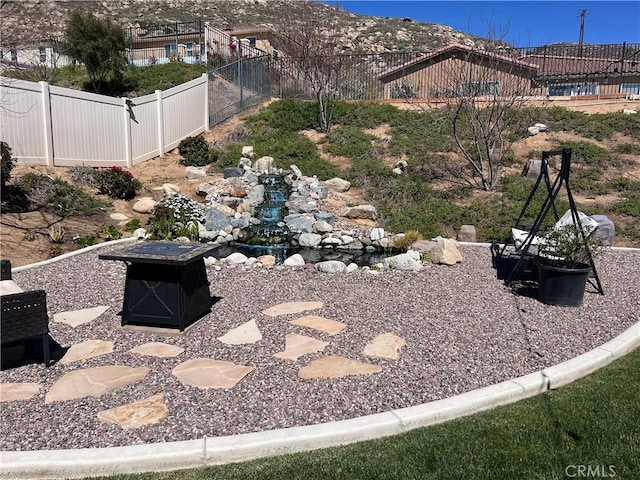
x,y
26,23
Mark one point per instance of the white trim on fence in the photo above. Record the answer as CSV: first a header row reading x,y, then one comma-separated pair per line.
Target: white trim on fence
x,y
55,126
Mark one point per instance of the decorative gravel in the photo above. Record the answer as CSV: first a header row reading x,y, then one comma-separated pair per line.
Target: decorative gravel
x,y
464,330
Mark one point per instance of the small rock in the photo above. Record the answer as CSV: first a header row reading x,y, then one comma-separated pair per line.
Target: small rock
x,y
331,266
144,205
195,172
170,189
377,234
295,260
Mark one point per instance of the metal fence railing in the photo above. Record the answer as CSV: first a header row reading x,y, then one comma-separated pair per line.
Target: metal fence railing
x,y
238,86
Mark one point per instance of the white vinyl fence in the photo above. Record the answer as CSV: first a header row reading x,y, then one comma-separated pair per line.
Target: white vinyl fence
x,y
55,126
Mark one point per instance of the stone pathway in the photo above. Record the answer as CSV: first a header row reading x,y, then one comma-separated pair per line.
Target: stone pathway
x,y
204,373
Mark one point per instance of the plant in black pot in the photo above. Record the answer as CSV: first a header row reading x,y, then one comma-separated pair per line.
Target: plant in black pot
x,y
564,265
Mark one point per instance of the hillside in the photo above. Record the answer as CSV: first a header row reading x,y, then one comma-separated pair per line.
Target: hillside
x,y
24,23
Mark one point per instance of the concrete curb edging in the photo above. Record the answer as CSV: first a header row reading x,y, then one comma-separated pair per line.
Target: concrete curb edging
x,y
75,463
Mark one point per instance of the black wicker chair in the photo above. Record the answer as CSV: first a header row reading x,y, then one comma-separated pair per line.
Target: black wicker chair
x,y
24,315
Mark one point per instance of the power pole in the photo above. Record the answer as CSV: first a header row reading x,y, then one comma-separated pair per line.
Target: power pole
x,y
583,14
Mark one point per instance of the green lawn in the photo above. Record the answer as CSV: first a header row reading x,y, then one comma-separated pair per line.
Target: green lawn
x,y
589,429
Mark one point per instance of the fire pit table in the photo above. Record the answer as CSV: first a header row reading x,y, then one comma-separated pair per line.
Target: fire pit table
x,y
166,284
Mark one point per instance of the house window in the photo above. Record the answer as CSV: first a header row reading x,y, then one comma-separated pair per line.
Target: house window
x,y
572,89
479,89
43,54
630,88
14,55
170,50
252,41
189,49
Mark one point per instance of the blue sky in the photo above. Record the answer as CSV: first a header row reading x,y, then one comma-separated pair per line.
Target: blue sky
x,y
527,23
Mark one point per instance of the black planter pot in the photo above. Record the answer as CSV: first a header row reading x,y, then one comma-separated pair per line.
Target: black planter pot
x,y
562,286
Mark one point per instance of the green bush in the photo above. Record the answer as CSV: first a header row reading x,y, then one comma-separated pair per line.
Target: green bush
x,y
116,182
6,164
132,225
58,196
175,216
349,142
194,151
627,148
87,241
588,153
111,232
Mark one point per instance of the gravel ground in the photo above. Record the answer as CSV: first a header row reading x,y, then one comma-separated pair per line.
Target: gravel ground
x,y
464,330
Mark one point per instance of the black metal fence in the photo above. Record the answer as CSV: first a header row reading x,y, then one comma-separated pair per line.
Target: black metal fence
x,y
562,70
238,86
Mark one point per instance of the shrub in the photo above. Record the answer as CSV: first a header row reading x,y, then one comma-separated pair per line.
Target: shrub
x,y
87,241
409,238
194,151
627,148
116,182
348,142
57,196
111,232
132,225
174,216
6,165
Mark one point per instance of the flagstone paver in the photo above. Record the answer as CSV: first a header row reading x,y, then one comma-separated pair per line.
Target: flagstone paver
x,y
298,345
137,414
325,325
336,367
86,349
242,335
157,349
385,345
209,373
93,382
76,318
292,307
11,392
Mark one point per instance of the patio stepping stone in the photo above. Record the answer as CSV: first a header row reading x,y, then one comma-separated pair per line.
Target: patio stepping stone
x,y
209,373
325,325
292,307
93,382
298,345
157,349
76,318
385,345
137,414
11,392
242,335
336,367
85,350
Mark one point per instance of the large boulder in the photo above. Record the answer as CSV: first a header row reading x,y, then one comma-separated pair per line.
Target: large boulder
x,y
404,261
265,165
309,239
362,212
195,172
215,220
144,205
445,252
338,184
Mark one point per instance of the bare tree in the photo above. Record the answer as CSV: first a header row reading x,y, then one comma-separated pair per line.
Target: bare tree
x,y
309,42
480,96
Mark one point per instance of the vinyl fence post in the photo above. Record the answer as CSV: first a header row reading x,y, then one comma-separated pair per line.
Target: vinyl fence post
x,y
127,131
160,119
206,101
46,118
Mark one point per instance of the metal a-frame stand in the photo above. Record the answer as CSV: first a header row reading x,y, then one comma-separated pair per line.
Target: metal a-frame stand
x,y
562,180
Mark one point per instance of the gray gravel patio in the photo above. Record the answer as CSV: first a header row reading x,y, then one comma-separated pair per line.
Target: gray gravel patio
x,y
463,328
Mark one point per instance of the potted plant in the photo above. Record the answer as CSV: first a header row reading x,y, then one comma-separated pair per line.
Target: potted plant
x,y
563,264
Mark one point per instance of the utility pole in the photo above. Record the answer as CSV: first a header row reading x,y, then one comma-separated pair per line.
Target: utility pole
x,y
583,14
